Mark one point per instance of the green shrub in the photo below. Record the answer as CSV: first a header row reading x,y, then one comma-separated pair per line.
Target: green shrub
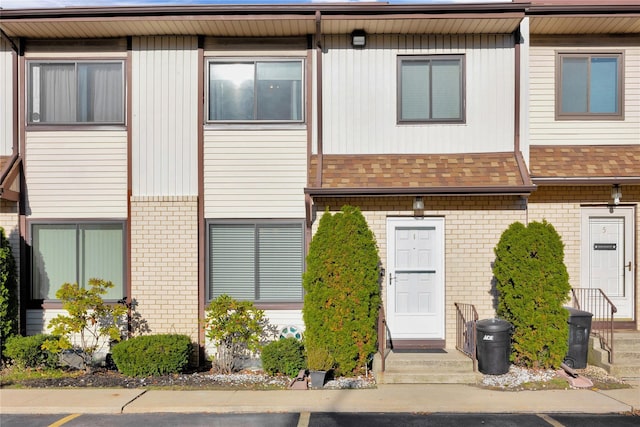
x,y
8,291
533,284
95,322
27,352
235,328
148,355
342,291
284,356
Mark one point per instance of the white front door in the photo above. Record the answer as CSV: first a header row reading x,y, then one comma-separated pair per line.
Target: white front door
x,y
608,257
415,279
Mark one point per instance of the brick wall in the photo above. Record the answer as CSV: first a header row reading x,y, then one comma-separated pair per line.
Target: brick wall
x,y
473,226
561,206
164,263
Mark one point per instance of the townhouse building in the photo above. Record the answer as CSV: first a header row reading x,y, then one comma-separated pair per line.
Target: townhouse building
x,y
184,152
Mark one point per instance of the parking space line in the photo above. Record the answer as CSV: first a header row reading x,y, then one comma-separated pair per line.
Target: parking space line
x,y
64,420
550,420
303,421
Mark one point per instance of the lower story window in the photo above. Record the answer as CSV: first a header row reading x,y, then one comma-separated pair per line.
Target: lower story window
x,y
75,253
260,262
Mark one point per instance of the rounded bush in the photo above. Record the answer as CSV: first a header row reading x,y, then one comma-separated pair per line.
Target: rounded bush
x,y
284,356
27,352
152,355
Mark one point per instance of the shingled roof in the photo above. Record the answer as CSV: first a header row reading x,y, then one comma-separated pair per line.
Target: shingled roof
x,y
424,173
585,162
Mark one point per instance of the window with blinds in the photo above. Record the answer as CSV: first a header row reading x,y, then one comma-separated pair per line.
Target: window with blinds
x,y
431,89
74,253
260,262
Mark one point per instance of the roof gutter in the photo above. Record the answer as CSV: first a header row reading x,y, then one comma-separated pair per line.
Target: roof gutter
x,y
587,181
522,190
310,9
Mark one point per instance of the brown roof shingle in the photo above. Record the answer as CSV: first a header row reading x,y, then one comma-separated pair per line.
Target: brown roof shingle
x,y
585,161
424,171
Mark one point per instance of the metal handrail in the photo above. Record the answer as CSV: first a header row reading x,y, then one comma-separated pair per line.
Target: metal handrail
x,y
466,318
596,302
382,337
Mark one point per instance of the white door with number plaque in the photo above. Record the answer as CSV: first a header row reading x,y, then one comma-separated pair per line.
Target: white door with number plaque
x,y
415,279
608,255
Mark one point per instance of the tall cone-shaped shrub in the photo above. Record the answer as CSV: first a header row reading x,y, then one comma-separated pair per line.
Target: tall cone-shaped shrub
x,y
342,290
533,284
8,291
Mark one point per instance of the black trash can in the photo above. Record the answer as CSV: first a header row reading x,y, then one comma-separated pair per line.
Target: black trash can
x,y
493,346
579,330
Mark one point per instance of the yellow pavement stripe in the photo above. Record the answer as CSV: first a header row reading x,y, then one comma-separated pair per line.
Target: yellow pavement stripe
x,y
303,421
64,420
550,420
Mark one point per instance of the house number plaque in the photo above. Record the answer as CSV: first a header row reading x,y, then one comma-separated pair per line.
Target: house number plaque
x,y
604,246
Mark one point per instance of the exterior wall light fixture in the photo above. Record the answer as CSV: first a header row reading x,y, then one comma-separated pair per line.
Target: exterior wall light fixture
x,y
358,39
418,204
616,194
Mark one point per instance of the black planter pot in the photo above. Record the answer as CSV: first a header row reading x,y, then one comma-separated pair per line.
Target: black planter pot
x,y
318,378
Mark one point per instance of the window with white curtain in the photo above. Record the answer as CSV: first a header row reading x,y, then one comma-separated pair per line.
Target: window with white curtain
x,y
250,91
74,253
431,88
64,92
256,261
589,86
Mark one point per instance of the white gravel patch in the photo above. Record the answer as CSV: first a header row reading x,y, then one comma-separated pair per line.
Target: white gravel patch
x,y
517,376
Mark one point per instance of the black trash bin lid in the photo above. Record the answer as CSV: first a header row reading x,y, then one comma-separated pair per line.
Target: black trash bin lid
x,y
493,325
574,312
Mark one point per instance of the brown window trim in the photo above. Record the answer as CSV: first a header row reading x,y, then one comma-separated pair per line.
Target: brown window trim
x,y
560,116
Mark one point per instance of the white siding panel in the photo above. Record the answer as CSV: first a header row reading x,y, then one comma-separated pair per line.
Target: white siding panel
x,y
360,99
546,130
77,174
6,99
165,116
255,174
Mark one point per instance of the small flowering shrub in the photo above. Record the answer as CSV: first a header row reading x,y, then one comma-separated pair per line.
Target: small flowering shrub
x,y
236,328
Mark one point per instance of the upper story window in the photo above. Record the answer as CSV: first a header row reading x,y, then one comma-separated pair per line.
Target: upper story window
x,y
255,91
431,89
589,86
71,93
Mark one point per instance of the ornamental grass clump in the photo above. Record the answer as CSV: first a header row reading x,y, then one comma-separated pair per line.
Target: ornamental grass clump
x,y
533,284
342,287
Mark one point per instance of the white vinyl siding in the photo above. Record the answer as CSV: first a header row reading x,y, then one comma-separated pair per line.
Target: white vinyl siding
x,y
165,116
6,100
255,173
546,130
360,96
76,174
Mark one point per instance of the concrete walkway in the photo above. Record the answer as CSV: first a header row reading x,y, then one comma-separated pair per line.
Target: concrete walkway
x,y
385,398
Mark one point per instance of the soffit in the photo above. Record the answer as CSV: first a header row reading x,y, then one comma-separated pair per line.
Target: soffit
x,y
258,21
610,24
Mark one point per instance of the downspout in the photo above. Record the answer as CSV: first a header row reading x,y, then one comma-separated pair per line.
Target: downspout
x,y
522,167
319,97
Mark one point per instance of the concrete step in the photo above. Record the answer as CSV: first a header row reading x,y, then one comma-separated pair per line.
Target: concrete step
x,y
447,367
626,351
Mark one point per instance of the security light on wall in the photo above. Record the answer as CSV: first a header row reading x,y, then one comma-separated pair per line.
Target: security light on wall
x,y
418,204
616,194
358,38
